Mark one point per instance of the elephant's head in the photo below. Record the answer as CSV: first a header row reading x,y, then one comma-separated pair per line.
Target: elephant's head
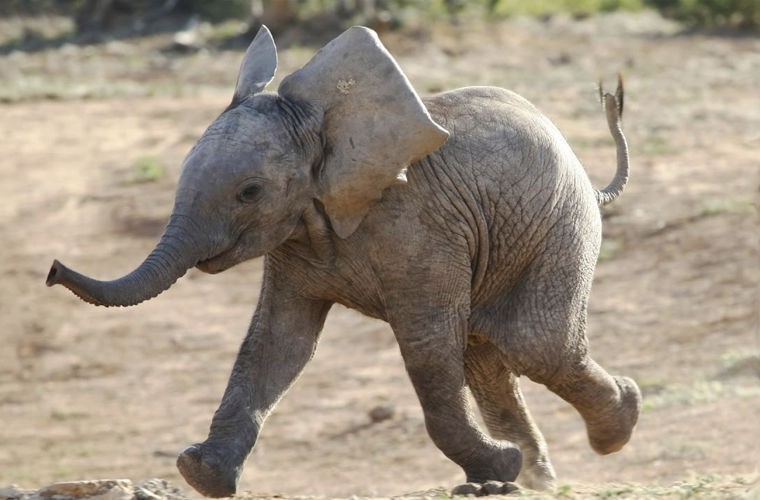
x,y
340,130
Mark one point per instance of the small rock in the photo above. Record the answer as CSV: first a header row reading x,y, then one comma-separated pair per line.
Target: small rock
x,y
105,489
143,494
162,489
13,492
382,412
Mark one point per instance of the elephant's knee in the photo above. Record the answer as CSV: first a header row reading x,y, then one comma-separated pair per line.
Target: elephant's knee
x,y
558,367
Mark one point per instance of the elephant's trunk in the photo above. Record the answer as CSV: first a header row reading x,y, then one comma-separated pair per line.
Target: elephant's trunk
x,y
174,254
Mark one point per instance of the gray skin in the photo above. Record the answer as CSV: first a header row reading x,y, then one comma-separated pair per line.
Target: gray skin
x,y
463,219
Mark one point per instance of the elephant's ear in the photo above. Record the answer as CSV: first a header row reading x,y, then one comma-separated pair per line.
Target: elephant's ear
x,y
258,66
374,124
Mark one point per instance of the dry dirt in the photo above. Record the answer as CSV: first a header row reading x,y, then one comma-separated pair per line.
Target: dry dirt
x,y
89,392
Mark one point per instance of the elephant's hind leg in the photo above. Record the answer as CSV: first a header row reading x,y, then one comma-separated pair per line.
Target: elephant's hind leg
x,y
609,405
547,342
497,392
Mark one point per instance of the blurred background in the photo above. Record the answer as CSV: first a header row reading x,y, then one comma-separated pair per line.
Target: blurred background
x,y
101,99
145,15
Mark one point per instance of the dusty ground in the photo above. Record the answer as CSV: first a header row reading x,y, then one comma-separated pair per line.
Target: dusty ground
x,y
89,392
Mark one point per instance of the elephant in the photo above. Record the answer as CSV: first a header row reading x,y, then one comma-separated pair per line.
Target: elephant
x,y
462,219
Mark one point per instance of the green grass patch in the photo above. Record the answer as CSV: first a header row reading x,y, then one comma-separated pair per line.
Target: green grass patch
x,y
65,416
609,249
146,169
700,392
225,30
655,145
721,206
574,7
740,363
743,14
34,30
707,486
703,486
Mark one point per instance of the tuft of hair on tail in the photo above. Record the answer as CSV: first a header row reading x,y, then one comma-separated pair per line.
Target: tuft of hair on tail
x,y
613,108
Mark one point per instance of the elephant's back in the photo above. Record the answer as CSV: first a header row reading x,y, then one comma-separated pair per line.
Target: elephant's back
x,y
502,147
502,133
518,175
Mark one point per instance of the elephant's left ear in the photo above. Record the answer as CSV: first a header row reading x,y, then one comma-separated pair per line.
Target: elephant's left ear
x,y
258,66
374,125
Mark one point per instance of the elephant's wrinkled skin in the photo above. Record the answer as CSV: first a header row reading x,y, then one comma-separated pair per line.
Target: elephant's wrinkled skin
x,y
480,258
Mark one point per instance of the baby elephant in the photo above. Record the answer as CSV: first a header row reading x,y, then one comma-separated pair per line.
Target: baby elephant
x,y
462,219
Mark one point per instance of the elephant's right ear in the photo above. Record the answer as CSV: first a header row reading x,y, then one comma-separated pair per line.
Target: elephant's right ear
x,y
258,66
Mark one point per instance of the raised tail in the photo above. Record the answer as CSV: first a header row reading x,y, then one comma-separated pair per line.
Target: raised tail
x,y
613,107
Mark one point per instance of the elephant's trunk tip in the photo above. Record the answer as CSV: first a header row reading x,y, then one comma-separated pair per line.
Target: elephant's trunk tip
x,y
62,275
56,269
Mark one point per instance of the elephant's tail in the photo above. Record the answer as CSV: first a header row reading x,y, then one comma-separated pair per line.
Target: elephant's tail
x,y
613,107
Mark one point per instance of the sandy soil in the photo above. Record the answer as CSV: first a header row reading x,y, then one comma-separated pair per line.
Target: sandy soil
x,y
89,392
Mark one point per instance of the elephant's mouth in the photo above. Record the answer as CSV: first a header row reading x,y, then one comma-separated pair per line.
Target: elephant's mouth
x,y
221,261
215,264
245,247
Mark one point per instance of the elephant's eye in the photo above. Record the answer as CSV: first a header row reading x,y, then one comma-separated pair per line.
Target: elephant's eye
x,y
249,193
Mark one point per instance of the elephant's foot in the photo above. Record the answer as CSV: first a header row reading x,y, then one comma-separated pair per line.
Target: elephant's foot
x,y
612,429
492,472
501,461
538,475
484,489
206,470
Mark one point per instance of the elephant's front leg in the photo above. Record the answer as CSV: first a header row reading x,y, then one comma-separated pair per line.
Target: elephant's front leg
x,y
281,339
432,345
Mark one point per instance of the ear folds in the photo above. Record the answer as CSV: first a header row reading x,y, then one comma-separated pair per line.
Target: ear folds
x,y
258,66
374,125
